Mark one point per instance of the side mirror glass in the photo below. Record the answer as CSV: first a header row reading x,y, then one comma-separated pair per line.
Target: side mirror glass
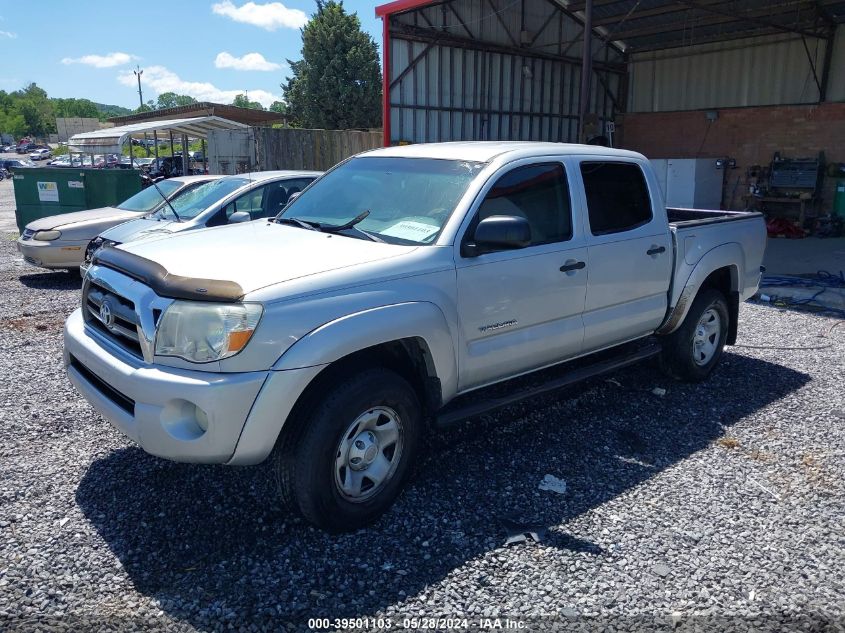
x,y
239,216
501,232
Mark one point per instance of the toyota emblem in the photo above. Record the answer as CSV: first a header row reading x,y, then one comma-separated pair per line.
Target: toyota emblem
x,y
106,315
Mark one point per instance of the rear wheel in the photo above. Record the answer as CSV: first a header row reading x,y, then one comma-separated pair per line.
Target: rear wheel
x,y
354,450
692,351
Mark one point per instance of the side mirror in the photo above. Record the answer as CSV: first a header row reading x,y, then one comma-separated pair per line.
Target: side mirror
x,y
293,197
239,216
500,232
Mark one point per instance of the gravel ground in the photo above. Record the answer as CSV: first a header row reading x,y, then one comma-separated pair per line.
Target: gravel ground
x,y
714,506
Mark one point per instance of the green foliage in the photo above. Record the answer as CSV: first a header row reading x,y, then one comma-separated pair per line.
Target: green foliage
x,y
279,106
30,111
337,84
242,101
107,111
172,100
71,108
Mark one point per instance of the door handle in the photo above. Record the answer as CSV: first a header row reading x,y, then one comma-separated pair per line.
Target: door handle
x,y
570,266
655,250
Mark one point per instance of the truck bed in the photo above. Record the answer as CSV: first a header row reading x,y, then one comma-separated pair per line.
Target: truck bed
x,y
697,232
685,218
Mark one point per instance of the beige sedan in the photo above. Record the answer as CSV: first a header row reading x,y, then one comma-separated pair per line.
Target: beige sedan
x,y
59,241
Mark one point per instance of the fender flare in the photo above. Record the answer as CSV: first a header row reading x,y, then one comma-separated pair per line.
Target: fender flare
x,y
354,332
728,256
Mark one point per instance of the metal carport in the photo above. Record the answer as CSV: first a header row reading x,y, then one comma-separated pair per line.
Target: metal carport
x,y
111,140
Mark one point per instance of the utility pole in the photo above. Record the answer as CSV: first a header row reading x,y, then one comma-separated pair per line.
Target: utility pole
x,y
138,72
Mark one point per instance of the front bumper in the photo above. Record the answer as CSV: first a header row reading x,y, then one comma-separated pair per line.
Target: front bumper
x,y
58,254
156,405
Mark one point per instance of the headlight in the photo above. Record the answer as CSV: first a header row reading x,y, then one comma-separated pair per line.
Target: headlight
x,y
95,245
47,236
204,332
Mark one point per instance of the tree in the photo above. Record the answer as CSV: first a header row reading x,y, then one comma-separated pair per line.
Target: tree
x,y
172,100
242,101
337,84
36,109
69,108
279,106
13,124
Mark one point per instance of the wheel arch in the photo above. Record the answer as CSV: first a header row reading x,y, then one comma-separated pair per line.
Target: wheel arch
x,y
720,268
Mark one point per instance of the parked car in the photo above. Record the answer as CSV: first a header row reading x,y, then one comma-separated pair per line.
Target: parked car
x,y
229,200
12,164
400,281
60,241
26,148
41,154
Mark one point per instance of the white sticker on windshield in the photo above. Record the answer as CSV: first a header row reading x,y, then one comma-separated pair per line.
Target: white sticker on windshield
x,y
410,230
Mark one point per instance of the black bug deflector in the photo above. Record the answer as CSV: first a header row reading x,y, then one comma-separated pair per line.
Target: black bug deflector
x,y
164,283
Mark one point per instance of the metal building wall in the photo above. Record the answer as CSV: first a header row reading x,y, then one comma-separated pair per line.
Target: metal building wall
x,y
767,70
494,70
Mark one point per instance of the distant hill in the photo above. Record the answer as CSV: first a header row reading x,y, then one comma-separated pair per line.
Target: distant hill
x,y
107,111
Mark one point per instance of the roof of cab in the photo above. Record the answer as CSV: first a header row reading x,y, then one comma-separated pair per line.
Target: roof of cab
x,y
485,151
272,175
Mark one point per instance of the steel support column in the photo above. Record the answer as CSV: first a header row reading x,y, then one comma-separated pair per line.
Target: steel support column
x,y
586,68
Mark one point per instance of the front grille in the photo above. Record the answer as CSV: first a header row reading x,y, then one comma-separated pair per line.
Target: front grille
x,y
124,402
27,234
118,322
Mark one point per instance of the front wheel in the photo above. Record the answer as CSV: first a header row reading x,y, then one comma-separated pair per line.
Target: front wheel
x,y
354,452
691,352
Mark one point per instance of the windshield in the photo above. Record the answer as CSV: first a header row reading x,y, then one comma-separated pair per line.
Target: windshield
x,y
195,201
408,199
149,198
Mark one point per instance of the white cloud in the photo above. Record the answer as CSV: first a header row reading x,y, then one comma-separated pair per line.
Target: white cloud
x,y
250,61
8,34
161,79
270,16
101,61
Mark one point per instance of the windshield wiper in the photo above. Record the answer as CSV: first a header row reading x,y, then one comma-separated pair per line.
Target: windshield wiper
x,y
153,183
305,224
337,228
330,228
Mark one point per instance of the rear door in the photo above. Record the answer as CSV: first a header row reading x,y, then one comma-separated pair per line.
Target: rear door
x,y
521,309
630,253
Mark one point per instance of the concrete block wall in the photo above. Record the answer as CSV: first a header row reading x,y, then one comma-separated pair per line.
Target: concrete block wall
x,y
750,135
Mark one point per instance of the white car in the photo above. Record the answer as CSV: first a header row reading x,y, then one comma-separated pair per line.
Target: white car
x,y
344,329
41,154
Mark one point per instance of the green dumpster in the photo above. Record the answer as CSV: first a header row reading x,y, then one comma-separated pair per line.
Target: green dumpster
x,y
45,191
839,199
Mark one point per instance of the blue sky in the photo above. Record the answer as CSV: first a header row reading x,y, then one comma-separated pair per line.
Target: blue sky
x,y
211,50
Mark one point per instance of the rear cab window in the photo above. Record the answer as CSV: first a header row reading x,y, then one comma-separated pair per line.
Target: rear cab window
x,y
617,196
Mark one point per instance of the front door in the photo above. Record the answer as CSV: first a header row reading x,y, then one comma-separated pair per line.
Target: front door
x,y
521,309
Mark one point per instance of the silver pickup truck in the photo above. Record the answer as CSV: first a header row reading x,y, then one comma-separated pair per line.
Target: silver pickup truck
x,y
389,296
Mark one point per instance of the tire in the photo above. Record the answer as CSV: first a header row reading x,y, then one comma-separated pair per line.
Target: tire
x,y
691,352
351,451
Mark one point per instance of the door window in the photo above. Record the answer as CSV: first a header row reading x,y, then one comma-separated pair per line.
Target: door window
x,y
617,196
252,202
278,194
538,193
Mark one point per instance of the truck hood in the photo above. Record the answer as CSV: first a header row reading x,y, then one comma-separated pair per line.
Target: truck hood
x,y
259,254
78,218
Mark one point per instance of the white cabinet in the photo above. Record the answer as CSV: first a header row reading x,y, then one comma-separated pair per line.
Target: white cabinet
x,y
689,182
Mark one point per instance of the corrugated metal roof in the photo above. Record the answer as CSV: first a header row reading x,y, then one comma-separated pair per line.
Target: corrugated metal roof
x,y
111,140
633,25
641,25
